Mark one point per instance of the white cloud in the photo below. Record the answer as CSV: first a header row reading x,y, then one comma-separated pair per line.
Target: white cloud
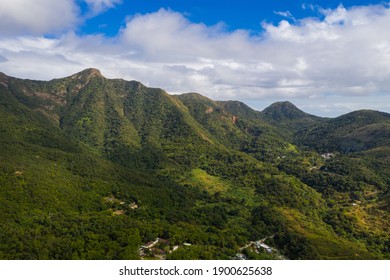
x,y
168,35
39,17
345,52
286,14
98,6
36,17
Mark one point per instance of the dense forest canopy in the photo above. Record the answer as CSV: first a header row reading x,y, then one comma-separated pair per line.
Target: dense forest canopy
x,y
93,168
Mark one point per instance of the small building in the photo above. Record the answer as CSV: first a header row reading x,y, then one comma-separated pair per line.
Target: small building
x,y
264,246
150,244
163,241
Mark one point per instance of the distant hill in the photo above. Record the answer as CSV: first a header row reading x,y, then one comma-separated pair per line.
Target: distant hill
x,y
282,111
288,118
240,109
356,131
93,168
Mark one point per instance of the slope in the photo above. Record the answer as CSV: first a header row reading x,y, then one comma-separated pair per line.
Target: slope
x,y
91,168
356,131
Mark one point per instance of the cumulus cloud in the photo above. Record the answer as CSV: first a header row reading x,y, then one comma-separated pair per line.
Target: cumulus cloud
x,y
344,53
168,35
36,17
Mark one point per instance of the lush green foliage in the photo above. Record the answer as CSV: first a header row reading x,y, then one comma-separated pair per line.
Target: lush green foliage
x,y
92,168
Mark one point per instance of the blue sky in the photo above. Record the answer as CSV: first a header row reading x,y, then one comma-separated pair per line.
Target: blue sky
x,y
244,14
327,57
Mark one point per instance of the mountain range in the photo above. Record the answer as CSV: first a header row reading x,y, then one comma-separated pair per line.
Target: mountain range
x,y
95,168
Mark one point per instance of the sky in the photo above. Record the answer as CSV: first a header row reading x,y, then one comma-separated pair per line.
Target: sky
x,y
327,57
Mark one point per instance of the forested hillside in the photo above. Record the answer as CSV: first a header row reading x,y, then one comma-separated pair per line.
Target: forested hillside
x,y
96,168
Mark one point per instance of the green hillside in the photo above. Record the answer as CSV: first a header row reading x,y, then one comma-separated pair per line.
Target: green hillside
x,y
353,132
93,168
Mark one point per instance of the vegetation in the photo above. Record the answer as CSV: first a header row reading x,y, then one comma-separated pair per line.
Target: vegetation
x,y
92,168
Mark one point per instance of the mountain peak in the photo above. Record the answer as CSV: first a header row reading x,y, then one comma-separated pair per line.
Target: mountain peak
x,y
283,105
88,73
284,110
93,72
